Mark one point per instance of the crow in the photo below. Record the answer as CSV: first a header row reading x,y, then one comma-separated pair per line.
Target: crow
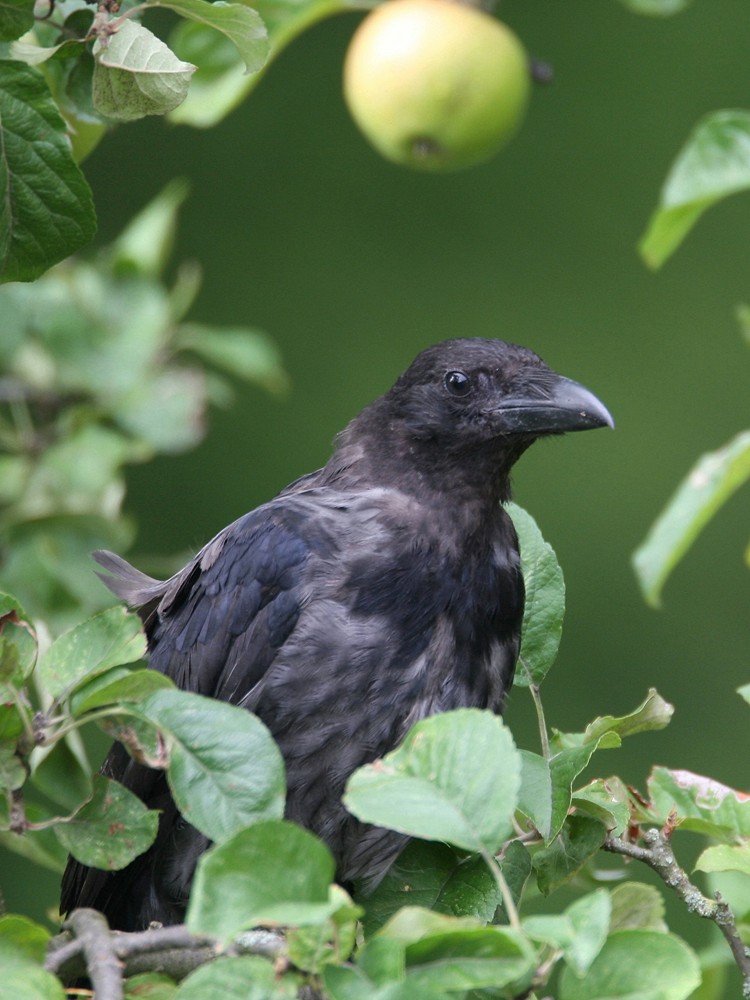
x,y
381,589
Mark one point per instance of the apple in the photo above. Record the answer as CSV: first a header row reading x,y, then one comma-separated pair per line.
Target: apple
x,y
435,84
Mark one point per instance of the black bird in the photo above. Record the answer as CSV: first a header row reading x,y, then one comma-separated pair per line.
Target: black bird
x,y
383,588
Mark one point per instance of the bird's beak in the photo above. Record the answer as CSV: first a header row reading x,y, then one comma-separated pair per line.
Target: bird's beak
x,y
552,405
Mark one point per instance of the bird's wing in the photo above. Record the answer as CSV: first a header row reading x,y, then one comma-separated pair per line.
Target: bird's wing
x,y
214,628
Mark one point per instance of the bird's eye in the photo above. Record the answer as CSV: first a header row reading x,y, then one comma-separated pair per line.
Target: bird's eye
x,y
457,383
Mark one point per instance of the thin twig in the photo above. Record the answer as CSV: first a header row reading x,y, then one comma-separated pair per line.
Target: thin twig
x,y
658,855
158,939
509,903
541,721
103,967
69,727
171,950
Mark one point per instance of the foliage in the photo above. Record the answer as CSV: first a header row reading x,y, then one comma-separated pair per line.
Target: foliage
x,y
69,70
501,826
714,163
101,369
709,484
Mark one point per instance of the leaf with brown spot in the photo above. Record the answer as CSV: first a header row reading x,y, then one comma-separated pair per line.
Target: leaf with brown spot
x,y
111,829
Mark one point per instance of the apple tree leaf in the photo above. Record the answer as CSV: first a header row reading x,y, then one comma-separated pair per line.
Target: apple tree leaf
x,y
46,207
714,163
136,74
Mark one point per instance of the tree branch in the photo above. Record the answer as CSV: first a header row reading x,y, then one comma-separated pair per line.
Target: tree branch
x,y
658,855
171,950
102,965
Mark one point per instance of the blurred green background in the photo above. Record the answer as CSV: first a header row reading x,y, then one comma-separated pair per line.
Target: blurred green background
x,y
353,265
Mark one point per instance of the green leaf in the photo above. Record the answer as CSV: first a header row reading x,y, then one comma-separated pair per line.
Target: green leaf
x,y
244,978
271,873
547,785
80,474
725,857
636,965
11,724
535,796
98,333
435,877
565,767
472,890
46,208
343,982
606,799
225,771
516,866
714,163
652,714
14,469
454,953
109,639
242,26
700,804
34,55
25,980
16,18
18,651
545,600
141,739
117,686
656,8
136,74
112,829
10,609
589,917
219,83
150,986
49,563
145,245
246,354
455,778
469,960
579,932
579,839
710,483
383,960
312,947
636,905
167,410
21,935
549,928
12,771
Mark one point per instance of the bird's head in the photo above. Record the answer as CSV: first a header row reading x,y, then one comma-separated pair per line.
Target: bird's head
x,y
469,408
469,391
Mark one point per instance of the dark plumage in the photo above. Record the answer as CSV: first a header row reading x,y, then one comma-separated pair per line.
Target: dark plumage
x,y
383,588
